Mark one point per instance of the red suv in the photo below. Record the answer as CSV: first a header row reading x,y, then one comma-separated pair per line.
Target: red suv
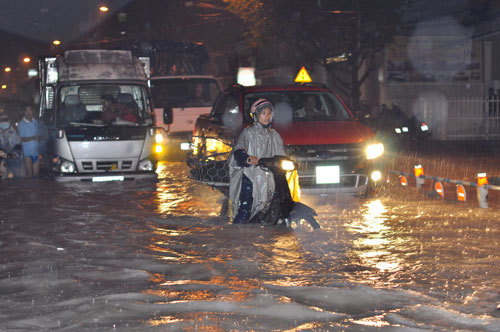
x,y
334,152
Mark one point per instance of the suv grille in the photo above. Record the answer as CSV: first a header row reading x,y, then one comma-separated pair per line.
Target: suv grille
x,y
326,152
349,158
346,181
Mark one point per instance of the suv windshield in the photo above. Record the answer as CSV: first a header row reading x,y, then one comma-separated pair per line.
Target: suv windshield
x,y
301,105
103,104
184,92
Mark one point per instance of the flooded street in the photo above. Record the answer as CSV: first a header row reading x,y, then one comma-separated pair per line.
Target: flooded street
x,y
155,256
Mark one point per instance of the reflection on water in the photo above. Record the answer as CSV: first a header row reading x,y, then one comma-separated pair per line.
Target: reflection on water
x,y
375,321
177,195
375,240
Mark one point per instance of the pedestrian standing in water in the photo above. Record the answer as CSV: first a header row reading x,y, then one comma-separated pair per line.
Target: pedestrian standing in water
x,y
250,187
11,151
28,130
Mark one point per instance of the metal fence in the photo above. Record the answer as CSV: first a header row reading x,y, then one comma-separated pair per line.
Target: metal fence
x,y
473,119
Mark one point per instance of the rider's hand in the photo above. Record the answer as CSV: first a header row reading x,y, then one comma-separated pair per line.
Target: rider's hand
x,y
252,160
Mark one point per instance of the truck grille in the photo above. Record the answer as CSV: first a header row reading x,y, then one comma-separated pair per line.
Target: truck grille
x,y
126,164
87,166
106,165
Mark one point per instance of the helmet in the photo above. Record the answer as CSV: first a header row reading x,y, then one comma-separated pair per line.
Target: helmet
x,y
258,106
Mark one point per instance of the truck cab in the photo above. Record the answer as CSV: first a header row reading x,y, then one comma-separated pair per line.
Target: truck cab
x,y
185,98
97,107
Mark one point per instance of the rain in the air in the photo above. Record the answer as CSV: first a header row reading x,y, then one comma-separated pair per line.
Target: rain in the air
x,y
245,165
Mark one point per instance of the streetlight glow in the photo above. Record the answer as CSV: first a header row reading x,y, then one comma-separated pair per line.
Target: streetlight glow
x,y
56,42
103,9
4,86
26,60
7,69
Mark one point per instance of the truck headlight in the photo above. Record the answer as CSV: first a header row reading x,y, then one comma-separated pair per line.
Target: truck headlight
x,y
67,166
376,176
62,165
158,137
158,148
374,150
145,165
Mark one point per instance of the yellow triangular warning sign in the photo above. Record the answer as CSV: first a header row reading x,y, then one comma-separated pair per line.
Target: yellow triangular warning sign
x,y
303,76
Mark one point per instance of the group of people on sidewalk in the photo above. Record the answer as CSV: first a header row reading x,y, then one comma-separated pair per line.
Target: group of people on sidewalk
x,y
22,145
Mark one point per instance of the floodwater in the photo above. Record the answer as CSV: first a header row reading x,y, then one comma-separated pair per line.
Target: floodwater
x,y
155,256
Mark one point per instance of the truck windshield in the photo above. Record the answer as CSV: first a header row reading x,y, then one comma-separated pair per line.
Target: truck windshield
x,y
181,92
103,105
303,105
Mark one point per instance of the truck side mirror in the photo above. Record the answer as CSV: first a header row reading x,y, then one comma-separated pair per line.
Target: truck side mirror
x,y
168,116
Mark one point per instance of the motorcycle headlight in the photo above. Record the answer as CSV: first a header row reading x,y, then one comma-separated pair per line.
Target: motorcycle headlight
x,y
397,130
374,150
424,126
145,165
405,129
287,165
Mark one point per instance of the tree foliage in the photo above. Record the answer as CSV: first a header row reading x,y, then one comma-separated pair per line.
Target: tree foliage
x,y
344,36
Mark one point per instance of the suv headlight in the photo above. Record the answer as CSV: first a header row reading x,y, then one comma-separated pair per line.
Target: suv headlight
x,y
146,165
374,151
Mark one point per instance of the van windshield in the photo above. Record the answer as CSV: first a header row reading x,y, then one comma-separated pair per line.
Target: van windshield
x,y
184,92
103,105
303,105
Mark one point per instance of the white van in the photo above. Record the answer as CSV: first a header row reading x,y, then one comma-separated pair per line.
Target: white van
x,y
186,97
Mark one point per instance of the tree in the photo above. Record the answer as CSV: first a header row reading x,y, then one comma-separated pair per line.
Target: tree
x,y
344,36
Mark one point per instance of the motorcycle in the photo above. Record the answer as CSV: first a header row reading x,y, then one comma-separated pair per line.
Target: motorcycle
x,y
396,130
282,210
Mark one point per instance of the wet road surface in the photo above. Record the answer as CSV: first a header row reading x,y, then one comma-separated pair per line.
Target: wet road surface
x,y
157,257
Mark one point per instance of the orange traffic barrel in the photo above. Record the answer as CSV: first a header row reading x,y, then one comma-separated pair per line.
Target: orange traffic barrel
x,y
438,188
461,194
404,181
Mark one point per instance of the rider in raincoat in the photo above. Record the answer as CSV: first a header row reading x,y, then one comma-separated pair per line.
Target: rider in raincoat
x,y
250,187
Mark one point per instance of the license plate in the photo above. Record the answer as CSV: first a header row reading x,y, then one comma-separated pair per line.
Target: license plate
x,y
327,174
108,178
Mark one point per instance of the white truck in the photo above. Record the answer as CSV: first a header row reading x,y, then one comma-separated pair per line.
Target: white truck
x,y
184,98
90,139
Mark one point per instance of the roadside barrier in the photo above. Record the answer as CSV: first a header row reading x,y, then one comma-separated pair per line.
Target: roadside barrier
x,y
481,185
